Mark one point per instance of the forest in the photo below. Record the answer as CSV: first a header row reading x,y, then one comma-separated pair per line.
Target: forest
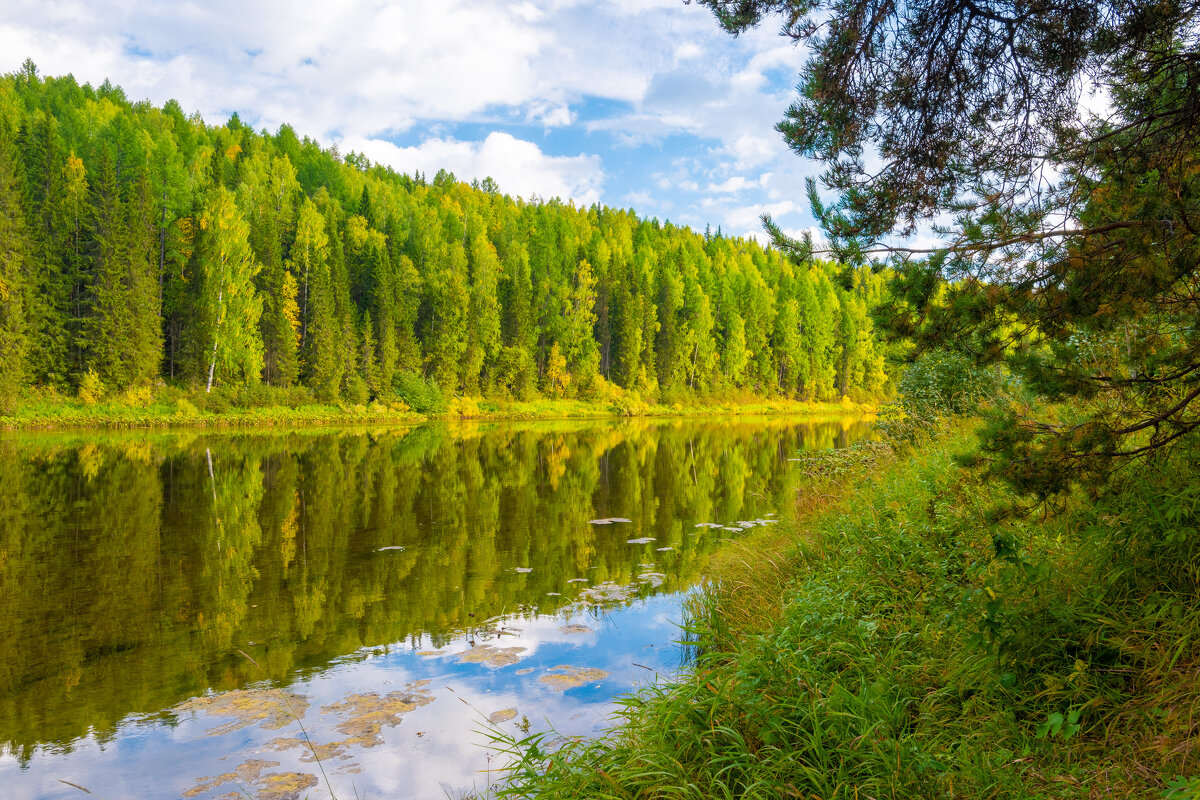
x,y
141,245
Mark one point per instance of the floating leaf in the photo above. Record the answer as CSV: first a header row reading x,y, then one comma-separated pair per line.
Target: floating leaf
x,y
563,677
490,655
369,713
503,715
641,540
655,579
273,708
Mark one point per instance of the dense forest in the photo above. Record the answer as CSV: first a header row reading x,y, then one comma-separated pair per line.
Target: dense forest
x,y
141,244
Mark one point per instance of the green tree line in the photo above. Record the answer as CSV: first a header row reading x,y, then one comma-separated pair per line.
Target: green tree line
x,y
140,243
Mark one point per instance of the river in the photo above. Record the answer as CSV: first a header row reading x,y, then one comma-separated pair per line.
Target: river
x,y
302,613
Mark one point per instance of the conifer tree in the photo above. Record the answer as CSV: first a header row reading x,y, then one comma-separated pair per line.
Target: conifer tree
x,y
14,260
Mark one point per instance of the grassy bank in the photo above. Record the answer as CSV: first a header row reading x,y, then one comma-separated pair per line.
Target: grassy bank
x,y
176,408
909,636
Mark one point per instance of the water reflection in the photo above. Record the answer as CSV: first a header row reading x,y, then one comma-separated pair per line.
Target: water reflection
x,y
148,584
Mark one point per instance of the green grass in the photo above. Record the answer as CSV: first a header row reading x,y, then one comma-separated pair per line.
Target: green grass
x,y
910,636
173,407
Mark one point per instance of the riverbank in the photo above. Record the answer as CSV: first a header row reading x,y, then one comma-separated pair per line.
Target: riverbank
x,y
173,408
907,635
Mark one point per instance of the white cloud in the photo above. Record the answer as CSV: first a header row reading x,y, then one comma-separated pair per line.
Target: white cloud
x,y
518,166
639,199
362,72
732,185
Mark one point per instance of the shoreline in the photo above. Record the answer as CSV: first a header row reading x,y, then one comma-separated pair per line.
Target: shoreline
x,y
880,619
64,414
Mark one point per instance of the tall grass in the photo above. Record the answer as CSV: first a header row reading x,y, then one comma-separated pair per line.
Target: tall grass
x,y
911,635
171,406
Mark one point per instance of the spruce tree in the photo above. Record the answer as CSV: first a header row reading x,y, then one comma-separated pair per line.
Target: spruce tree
x,y
14,261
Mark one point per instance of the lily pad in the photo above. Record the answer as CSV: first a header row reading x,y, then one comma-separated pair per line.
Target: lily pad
x,y
272,708
605,594
654,579
267,786
368,714
563,677
311,751
503,715
491,655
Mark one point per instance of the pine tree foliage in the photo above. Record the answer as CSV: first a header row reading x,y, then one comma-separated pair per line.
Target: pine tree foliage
x,y
149,245
14,263
1054,147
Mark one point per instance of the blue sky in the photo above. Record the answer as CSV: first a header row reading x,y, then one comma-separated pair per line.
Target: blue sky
x,y
632,103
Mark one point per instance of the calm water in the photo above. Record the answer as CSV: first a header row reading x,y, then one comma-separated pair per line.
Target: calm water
x,y
192,614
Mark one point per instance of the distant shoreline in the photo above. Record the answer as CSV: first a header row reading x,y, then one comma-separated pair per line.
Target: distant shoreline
x,y
62,413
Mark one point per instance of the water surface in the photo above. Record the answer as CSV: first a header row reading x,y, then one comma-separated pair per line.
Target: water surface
x,y
197,614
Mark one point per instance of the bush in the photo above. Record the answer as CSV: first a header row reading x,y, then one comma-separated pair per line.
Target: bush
x,y
516,372
139,396
937,386
421,395
91,388
217,401
464,407
947,382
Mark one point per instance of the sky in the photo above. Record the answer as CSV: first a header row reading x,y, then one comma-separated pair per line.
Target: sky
x,y
642,104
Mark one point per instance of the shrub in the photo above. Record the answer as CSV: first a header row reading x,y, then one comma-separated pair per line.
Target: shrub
x,y
91,388
139,396
947,382
420,394
465,407
516,372
217,401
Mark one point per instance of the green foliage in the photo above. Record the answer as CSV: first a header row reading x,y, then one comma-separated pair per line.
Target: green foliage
x,y
157,245
946,382
14,254
91,388
912,638
419,393
1069,238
